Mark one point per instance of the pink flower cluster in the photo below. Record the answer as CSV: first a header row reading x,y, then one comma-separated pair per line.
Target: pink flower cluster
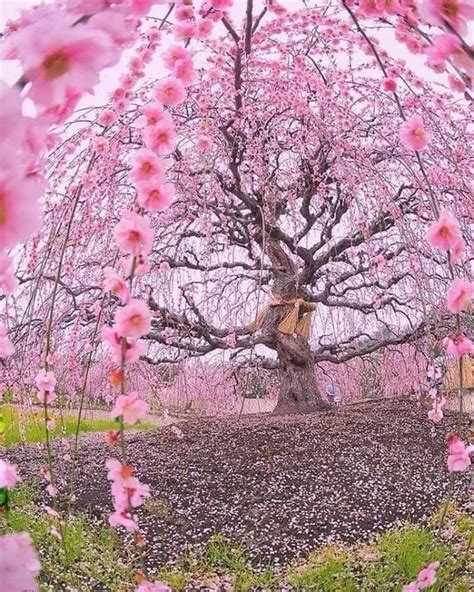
x,y
425,579
19,563
46,383
127,492
459,455
8,475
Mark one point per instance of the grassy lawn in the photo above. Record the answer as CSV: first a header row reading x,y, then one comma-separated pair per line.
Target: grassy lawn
x,y
94,558
26,426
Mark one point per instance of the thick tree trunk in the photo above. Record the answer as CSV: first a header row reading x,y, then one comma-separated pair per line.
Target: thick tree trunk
x,y
299,392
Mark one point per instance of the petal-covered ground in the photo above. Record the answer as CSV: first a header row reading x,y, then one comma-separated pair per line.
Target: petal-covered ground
x,y
282,486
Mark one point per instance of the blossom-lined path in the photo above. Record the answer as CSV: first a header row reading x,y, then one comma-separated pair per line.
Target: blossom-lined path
x,y
280,485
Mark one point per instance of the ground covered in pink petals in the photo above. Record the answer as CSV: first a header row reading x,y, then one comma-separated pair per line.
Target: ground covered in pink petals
x,y
281,486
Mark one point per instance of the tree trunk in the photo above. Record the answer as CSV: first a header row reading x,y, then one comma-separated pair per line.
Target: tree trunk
x,y
299,392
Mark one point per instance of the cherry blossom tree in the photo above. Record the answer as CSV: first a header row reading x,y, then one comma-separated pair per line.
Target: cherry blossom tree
x,y
291,170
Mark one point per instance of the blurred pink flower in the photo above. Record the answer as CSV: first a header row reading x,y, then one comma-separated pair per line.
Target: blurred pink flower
x,y
130,407
458,454
123,518
204,142
45,381
458,345
427,576
170,92
56,56
8,280
453,12
154,196
107,117
8,475
460,295
160,137
221,4
173,54
445,232
115,284
133,320
184,71
146,166
413,134
19,563
435,414
19,210
134,234
6,346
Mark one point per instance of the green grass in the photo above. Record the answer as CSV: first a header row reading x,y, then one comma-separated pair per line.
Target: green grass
x,y
88,560
386,565
94,558
27,426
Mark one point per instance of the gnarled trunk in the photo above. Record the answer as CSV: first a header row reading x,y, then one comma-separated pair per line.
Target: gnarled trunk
x,y
299,392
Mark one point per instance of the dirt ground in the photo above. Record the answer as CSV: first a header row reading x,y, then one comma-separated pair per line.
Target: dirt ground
x,y
281,486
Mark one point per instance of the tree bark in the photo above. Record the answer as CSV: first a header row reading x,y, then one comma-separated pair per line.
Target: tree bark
x,y
299,392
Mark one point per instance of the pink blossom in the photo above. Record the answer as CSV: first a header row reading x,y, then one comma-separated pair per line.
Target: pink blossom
x,y
460,295
173,54
8,281
221,4
12,122
130,407
45,381
132,349
204,142
170,92
19,563
453,12
184,71
142,7
107,117
120,27
443,46
160,138
133,320
370,8
153,587
133,234
115,284
458,345
123,518
8,475
153,114
154,196
130,491
204,28
427,576
413,134
6,346
458,454
52,490
185,30
56,56
117,472
435,414
19,211
445,232
164,266
146,166
390,85
411,587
